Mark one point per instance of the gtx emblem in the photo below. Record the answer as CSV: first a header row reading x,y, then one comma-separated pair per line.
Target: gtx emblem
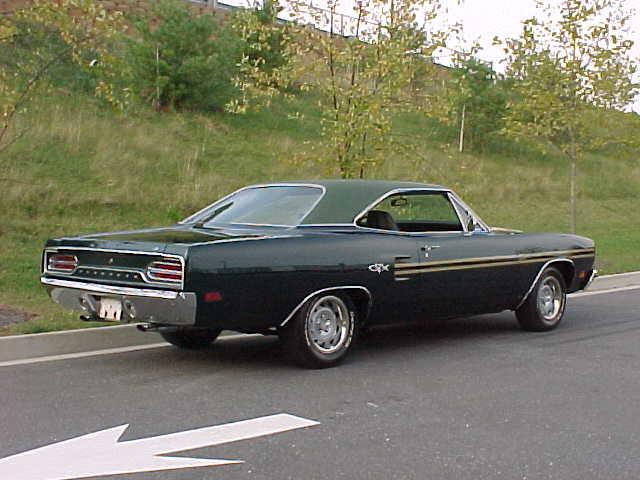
x,y
378,268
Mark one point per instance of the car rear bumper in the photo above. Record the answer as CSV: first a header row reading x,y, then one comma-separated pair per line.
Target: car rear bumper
x,y
138,304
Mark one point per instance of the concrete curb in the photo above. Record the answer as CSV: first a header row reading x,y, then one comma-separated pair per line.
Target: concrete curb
x,y
19,347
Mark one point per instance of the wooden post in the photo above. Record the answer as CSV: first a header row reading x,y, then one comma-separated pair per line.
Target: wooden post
x,y
461,143
158,106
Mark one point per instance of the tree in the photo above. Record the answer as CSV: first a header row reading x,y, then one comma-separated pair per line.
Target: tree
x,y
266,50
37,40
573,59
362,71
186,61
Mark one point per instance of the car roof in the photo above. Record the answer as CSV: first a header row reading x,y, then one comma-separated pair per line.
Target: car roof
x,y
343,200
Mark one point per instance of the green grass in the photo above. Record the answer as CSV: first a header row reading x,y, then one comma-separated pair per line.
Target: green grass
x,y
82,168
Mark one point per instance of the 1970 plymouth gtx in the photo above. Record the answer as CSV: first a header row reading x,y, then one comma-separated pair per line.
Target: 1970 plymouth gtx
x,y
314,262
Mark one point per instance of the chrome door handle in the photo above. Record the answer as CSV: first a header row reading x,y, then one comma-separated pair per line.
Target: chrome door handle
x,y
427,249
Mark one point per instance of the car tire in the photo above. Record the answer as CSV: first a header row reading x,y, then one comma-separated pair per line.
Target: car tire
x,y
322,332
191,338
544,307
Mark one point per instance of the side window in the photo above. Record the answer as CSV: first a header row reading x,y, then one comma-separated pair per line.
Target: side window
x,y
414,212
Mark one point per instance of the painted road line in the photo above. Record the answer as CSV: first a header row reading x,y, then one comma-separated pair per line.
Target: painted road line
x,y
106,351
65,356
100,453
608,290
615,275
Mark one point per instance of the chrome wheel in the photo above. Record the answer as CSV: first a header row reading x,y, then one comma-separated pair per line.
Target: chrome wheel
x,y
550,300
329,325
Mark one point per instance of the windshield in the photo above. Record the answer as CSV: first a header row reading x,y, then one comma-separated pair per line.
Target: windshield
x,y
272,205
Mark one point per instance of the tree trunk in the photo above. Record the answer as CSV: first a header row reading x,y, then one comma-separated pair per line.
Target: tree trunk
x,y
573,182
572,196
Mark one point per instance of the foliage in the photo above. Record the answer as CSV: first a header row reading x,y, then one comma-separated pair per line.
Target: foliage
x,y
186,61
264,68
572,60
366,77
476,96
52,36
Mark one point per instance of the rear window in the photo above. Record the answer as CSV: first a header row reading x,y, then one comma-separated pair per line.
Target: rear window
x,y
272,205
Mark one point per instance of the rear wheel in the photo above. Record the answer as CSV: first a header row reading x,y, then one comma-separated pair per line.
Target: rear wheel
x,y
544,308
321,333
191,338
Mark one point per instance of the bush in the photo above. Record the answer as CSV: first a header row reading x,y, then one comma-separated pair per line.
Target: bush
x,y
186,62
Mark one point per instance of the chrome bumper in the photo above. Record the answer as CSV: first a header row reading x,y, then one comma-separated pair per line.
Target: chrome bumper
x,y
138,304
592,277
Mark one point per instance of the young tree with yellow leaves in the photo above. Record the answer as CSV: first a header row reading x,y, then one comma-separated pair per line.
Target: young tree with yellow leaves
x,y
364,75
573,59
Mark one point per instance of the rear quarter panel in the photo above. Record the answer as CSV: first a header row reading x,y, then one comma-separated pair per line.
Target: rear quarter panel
x,y
262,281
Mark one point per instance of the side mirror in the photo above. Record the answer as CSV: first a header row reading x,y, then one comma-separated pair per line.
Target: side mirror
x,y
473,225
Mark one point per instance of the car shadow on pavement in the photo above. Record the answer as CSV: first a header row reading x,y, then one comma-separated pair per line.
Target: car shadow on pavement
x,y
266,353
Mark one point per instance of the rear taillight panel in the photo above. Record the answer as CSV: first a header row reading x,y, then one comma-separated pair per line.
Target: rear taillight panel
x,y
62,263
167,270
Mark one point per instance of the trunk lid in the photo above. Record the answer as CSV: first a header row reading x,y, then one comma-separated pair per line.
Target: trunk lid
x,y
127,258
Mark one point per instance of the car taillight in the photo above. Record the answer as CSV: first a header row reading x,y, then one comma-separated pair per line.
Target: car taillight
x,y
165,270
62,263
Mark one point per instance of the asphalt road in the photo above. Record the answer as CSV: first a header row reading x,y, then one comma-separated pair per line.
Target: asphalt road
x,y
474,399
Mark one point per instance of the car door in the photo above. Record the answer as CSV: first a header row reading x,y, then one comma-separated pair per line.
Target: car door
x,y
458,272
382,252
467,273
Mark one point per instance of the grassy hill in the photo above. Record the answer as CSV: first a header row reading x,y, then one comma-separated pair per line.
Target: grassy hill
x,y
82,168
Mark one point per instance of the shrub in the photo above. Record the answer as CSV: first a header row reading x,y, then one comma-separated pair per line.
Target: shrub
x,y
186,62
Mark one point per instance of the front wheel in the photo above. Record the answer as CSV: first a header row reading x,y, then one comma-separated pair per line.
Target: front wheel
x,y
191,338
321,333
544,307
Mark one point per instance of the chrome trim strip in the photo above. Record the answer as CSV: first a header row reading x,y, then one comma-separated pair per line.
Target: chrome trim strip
x,y
345,287
112,250
537,277
190,218
110,289
304,225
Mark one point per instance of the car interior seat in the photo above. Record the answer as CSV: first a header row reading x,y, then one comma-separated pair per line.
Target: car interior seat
x,y
380,220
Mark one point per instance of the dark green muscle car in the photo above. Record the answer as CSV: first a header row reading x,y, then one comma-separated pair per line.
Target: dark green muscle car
x,y
314,262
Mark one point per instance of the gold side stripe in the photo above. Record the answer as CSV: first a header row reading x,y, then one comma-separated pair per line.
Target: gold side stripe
x,y
503,258
465,267
476,265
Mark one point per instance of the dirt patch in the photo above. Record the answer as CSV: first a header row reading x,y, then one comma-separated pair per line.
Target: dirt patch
x,y
10,315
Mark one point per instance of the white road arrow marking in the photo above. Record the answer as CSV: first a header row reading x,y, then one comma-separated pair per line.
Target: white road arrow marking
x,y
100,453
